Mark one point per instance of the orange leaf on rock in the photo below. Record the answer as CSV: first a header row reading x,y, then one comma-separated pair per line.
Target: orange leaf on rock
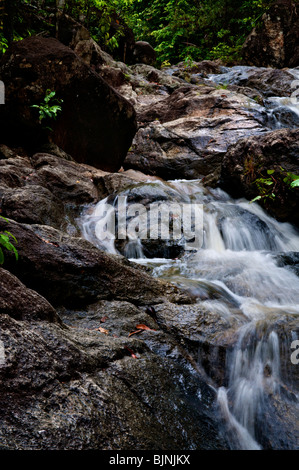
x,y
144,327
135,332
102,330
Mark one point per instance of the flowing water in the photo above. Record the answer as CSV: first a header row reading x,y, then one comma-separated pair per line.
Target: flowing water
x,y
241,257
279,111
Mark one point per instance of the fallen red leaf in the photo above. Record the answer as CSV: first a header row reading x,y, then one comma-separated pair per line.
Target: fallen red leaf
x,y
135,332
144,327
102,330
131,352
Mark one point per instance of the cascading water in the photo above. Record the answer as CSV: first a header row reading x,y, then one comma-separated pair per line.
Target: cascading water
x,y
240,257
278,111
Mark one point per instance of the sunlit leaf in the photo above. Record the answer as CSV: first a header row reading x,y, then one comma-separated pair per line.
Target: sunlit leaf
x,y
295,183
144,327
135,332
103,330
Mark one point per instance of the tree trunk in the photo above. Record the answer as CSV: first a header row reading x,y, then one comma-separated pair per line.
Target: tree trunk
x,y
60,4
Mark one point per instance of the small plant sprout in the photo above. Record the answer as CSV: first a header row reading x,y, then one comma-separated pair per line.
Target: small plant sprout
x,y
268,187
49,108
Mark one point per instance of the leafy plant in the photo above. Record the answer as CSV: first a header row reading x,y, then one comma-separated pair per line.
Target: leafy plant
x,y
3,44
6,243
269,187
265,187
49,108
188,61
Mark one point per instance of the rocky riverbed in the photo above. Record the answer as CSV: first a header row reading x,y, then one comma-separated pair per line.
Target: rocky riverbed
x,y
72,375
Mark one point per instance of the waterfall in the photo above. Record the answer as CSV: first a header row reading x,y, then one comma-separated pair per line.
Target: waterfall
x,y
240,259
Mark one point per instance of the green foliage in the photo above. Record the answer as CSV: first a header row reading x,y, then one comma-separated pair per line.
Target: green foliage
x,y
6,243
274,183
206,29
179,30
96,16
3,44
49,108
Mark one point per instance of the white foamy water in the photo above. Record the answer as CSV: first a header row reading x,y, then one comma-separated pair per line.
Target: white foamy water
x,y
240,261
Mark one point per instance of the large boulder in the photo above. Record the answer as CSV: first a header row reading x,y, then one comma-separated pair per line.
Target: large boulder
x,y
187,134
96,125
77,388
45,189
275,42
21,303
251,158
70,271
144,53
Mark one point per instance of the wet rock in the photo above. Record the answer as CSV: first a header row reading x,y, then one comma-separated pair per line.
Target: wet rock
x,y
289,259
70,182
187,134
33,205
148,242
45,188
93,113
113,183
116,182
251,158
271,82
275,42
135,205
70,271
263,82
21,303
206,332
279,424
58,385
52,149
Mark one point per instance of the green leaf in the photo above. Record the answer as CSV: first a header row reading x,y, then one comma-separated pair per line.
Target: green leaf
x,y
270,172
257,198
294,177
295,183
11,235
49,96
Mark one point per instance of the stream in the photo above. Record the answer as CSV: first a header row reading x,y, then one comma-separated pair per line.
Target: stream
x,y
242,259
